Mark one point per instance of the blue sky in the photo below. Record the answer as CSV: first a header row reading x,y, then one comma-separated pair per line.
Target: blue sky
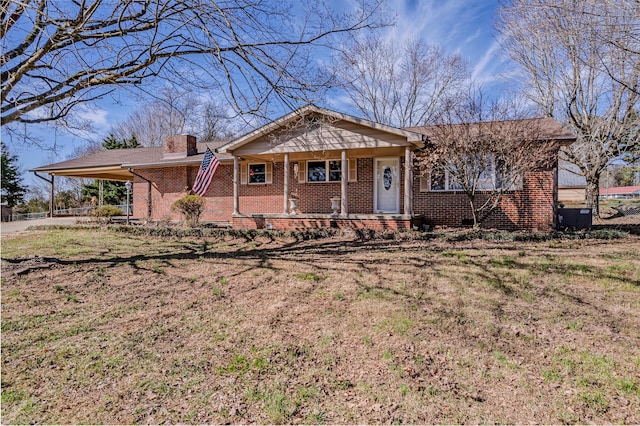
x,y
460,26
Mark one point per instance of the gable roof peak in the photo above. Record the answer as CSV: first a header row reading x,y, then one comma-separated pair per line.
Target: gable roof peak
x,y
310,109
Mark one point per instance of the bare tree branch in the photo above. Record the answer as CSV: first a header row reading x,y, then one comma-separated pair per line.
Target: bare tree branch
x,y
59,54
580,63
402,87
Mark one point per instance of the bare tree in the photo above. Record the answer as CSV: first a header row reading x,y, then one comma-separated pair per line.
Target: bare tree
x,y
399,86
485,151
58,55
174,111
580,63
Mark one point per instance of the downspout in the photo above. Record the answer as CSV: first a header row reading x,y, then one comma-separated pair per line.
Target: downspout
x,y
51,192
149,210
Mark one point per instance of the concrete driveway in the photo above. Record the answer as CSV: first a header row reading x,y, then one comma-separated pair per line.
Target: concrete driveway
x,y
22,225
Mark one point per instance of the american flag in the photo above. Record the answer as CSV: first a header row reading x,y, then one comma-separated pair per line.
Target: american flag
x,y
206,171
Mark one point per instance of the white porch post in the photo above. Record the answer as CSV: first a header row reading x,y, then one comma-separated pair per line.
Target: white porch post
x,y
343,183
408,181
236,185
286,183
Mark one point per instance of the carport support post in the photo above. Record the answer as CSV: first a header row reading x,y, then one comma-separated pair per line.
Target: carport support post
x,y
286,183
100,192
51,193
236,185
51,196
343,183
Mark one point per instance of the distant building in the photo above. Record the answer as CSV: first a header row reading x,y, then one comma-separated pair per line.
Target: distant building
x,y
620,192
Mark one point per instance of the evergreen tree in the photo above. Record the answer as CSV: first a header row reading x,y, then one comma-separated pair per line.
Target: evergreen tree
x,y
12,189
113,192
111,142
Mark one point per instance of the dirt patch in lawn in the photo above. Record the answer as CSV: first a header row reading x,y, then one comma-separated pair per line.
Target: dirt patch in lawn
x,y
104,327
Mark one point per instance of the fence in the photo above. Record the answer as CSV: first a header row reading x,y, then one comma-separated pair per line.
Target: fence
x,y
79,211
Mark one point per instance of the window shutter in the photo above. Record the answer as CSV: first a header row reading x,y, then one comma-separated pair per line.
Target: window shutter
x,y
353,170
268,178
302,171
424,183
243,174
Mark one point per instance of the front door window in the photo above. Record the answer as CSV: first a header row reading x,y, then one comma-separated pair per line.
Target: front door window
x,y
387,185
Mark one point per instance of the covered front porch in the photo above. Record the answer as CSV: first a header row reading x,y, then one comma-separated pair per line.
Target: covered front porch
x,y
327,170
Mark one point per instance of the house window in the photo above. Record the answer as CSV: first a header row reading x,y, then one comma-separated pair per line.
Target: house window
x,y
442,180
438,180
491,177
257,173
324,171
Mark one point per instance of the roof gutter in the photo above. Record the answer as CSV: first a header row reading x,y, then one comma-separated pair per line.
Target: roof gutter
x,y
149,209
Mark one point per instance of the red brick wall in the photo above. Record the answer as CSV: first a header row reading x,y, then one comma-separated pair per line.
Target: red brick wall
x,y
531,208
314,197
170,184
180,145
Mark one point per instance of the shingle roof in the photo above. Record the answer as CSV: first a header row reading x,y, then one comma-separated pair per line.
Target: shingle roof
x,y
548,128
570,176
123,158
118,160
111,157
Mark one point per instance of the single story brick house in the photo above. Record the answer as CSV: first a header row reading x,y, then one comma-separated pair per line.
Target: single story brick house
x,y
314,168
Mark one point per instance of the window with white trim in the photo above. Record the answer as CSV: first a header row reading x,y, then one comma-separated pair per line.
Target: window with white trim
x,y
257,173
324,171
490,178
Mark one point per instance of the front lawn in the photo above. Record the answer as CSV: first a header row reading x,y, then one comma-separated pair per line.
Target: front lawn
x,y
107,327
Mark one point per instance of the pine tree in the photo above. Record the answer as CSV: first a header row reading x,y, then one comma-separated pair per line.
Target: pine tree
x,y
113,192
12,189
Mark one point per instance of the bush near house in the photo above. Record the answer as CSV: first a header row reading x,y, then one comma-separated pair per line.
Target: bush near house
x,y
105,213
191,208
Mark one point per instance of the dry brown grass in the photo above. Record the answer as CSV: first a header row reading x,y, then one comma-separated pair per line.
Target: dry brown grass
x,y
126,329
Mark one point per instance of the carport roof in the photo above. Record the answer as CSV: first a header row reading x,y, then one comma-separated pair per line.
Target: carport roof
x,y
113,164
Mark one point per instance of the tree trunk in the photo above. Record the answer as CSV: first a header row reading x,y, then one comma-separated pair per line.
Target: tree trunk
x,y
593,194
476,225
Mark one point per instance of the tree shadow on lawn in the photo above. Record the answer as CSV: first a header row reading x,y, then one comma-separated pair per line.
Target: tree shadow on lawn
x,y
304,252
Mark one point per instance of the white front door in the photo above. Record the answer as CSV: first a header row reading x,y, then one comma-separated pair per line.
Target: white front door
x,y
387,185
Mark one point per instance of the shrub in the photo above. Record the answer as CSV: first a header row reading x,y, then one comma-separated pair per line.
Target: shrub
x,y
107,211
191,208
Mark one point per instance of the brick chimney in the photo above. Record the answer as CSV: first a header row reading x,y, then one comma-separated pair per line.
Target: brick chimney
x,y
179,146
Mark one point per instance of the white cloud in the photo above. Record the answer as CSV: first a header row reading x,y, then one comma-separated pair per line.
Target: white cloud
x,y
458,26
483,71
96,116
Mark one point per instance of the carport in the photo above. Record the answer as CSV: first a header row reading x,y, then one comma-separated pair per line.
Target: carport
x,y
104,165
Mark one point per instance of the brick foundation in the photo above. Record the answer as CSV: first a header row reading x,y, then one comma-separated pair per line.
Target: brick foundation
x,y
301,222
